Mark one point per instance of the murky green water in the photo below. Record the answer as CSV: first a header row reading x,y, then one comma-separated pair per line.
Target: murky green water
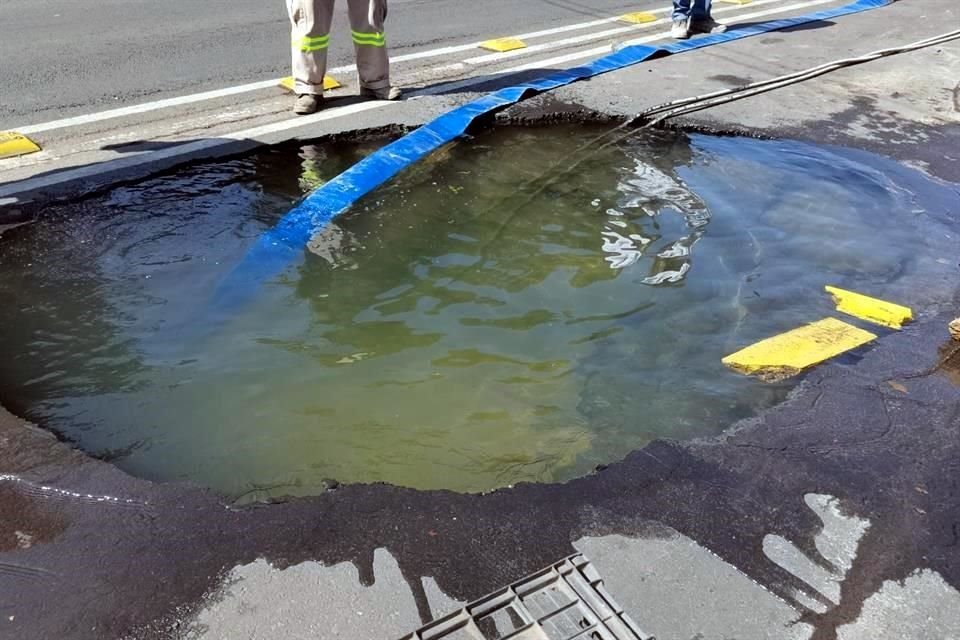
x,y
497,315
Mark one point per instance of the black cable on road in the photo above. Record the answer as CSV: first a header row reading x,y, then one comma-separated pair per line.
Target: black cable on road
x,y
658,114
684,106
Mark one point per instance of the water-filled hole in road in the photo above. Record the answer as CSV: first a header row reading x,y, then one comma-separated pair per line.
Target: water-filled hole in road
x,y
522,306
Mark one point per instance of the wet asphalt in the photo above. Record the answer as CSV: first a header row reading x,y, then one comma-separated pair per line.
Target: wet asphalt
x,y
94,553
87,551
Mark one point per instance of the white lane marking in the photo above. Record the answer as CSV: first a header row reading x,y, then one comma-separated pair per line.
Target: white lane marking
x,y
266,84
589,37
582,25
142,108
532,35
31,184
418,55
147,157
756,14
598,51
566,42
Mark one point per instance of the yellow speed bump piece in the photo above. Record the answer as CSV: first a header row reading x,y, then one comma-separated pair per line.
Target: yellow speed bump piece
x,y
328,83
790,353
870,309
503,44
13,144
637,17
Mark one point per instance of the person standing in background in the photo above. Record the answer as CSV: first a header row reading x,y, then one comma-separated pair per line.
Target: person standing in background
x,y
693,16
310,21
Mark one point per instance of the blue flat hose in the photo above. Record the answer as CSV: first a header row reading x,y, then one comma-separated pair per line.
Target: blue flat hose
x,y
281,245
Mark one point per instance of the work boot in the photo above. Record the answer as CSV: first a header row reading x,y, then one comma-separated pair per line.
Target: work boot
x,y
680,29
384,93
307,103
707,25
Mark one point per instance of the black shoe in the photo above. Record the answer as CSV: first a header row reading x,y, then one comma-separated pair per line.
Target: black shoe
x,y
706,25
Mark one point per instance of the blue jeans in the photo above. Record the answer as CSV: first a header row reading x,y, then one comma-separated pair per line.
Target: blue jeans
x,y
696,9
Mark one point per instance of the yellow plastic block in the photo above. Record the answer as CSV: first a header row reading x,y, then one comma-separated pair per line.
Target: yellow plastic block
x,y
790,353
503,44
870,309
328,83
14,144
637,17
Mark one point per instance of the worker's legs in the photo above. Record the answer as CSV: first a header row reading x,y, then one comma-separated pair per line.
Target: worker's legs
x,y
366,22
701,9
695,9
693,16
310,21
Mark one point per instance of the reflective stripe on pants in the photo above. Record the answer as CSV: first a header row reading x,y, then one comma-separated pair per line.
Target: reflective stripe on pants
x,y
310,21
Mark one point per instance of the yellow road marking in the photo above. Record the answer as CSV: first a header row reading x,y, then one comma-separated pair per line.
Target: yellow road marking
x,y
870,309
503,44
328,83
740,2
14,144
637,17
790,353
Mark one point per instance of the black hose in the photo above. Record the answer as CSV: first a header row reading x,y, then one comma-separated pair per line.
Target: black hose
x,y
706,101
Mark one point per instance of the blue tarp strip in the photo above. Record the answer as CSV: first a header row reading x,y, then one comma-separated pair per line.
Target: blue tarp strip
x,y
282,244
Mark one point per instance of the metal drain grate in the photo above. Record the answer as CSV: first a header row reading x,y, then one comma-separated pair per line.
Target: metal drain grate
x,y
566,601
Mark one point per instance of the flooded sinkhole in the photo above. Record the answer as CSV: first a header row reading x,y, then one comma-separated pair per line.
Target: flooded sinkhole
x,y
521,306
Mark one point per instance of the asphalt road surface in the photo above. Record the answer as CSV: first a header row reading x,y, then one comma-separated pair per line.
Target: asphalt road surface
x,y
759,534
67,57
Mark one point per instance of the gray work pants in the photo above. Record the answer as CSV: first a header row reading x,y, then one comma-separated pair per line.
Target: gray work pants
x,y
311,19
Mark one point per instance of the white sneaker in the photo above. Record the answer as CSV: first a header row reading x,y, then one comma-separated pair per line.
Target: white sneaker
x,y
680,29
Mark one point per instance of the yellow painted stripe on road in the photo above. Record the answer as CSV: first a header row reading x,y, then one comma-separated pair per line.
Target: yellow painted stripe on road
x,y
870,309
14,144
790,353
328,83
740,2
501,45
637,17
